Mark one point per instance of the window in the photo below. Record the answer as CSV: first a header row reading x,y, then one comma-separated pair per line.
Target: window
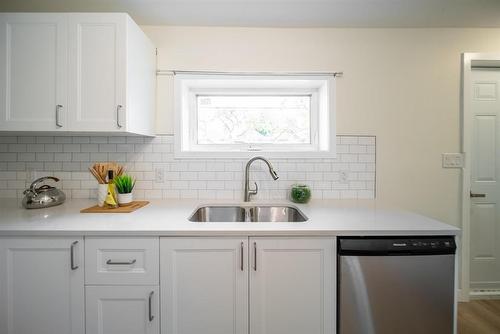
x,y
238,115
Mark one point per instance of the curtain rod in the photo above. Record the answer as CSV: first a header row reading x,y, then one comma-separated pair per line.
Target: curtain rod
x,y
174,72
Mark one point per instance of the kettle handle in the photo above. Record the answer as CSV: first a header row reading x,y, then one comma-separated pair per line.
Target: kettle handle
x,y
37,181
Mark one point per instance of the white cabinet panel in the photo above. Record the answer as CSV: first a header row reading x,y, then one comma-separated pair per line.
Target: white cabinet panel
x,y
76,72
292,286
39,291
33,72
122,261
97,53
122,310
204,285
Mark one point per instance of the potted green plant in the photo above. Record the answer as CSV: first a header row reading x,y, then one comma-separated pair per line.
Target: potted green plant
x,y
124,185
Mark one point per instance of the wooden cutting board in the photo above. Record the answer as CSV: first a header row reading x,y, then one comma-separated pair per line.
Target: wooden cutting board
x,y
135,205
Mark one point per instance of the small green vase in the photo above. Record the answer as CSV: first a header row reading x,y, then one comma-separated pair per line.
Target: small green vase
x,y
300,193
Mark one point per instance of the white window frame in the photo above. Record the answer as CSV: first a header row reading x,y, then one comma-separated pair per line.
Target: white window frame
x,y
188,87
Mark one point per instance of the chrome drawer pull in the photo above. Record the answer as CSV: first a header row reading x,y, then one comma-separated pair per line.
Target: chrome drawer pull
x,y
72,255
58,109
241,258
255,256
118,110
150,313
121,263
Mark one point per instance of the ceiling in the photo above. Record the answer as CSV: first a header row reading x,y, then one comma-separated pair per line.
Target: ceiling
x,y
284,13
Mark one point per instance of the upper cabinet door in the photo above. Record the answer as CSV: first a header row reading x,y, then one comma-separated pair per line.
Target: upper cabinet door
x,y
41,286
292,286
97,63
33,72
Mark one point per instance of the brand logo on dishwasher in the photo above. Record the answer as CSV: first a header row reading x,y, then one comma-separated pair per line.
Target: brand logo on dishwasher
x,y
399,244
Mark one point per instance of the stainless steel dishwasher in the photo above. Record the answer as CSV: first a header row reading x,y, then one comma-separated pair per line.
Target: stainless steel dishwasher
x,y
396,285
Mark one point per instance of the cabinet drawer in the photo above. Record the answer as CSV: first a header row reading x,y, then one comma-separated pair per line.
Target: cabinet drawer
x,y
122,261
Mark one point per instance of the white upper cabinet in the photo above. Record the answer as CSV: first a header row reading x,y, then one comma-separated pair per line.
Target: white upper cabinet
x,y
97,62
33,72
76,72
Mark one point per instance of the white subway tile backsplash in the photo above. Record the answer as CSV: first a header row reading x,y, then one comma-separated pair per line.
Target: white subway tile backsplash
x,y
44,140
8,140
117,140
366,140
135,140
89,147
25,156
17,147
55,166
26,140
349,140
63,140
81,157
44,156
8,157
98,140
81,140
159,175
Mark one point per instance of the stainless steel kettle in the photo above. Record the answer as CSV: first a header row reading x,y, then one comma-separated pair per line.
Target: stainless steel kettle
x,y
44,196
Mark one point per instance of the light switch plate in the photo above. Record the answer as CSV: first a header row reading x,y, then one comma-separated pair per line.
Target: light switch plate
x,y
159,175
453,160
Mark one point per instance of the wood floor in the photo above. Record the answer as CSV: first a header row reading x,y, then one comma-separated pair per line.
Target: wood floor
x,y
479,317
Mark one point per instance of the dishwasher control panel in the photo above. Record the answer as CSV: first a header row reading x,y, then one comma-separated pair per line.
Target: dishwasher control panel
x,y
396,245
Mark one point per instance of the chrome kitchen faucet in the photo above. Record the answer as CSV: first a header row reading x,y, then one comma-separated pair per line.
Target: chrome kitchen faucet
x,y
249,192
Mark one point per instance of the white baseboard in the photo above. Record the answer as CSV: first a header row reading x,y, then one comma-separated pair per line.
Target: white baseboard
x,y
485,294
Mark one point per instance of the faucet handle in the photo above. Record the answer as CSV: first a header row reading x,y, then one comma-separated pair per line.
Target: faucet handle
x,y
256,190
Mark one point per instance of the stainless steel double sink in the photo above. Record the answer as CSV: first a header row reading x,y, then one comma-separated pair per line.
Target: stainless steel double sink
x,y
250,213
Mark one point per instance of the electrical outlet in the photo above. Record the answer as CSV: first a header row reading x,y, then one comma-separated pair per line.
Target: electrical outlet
x,y
453,160
159,175
344,176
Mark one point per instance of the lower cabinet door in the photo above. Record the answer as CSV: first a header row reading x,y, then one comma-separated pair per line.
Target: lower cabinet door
x,y
292,285
204,285
122,310
41,286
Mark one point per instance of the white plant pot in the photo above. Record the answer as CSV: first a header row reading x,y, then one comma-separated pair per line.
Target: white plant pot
x,y
125,199
102,192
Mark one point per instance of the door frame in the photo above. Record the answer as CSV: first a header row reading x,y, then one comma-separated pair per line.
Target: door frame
x,y
466,145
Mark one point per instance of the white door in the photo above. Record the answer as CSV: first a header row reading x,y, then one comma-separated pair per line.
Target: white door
x,y
485,172
204,286
41,286
292,286
122,310
33,72
97,58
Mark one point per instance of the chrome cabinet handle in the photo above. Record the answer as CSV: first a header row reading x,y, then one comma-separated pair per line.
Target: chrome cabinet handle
x,y
473,195
255,256
241,256
72,255
150,302
58,109
118,109
124,263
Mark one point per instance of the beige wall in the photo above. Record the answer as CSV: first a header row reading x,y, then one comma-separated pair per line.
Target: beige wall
x,y
401,85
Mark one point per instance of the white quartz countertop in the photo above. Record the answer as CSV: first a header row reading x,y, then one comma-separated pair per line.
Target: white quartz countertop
x,y
170,218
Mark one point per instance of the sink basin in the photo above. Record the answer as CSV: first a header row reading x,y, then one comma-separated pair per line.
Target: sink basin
x,y
253,214
219,214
